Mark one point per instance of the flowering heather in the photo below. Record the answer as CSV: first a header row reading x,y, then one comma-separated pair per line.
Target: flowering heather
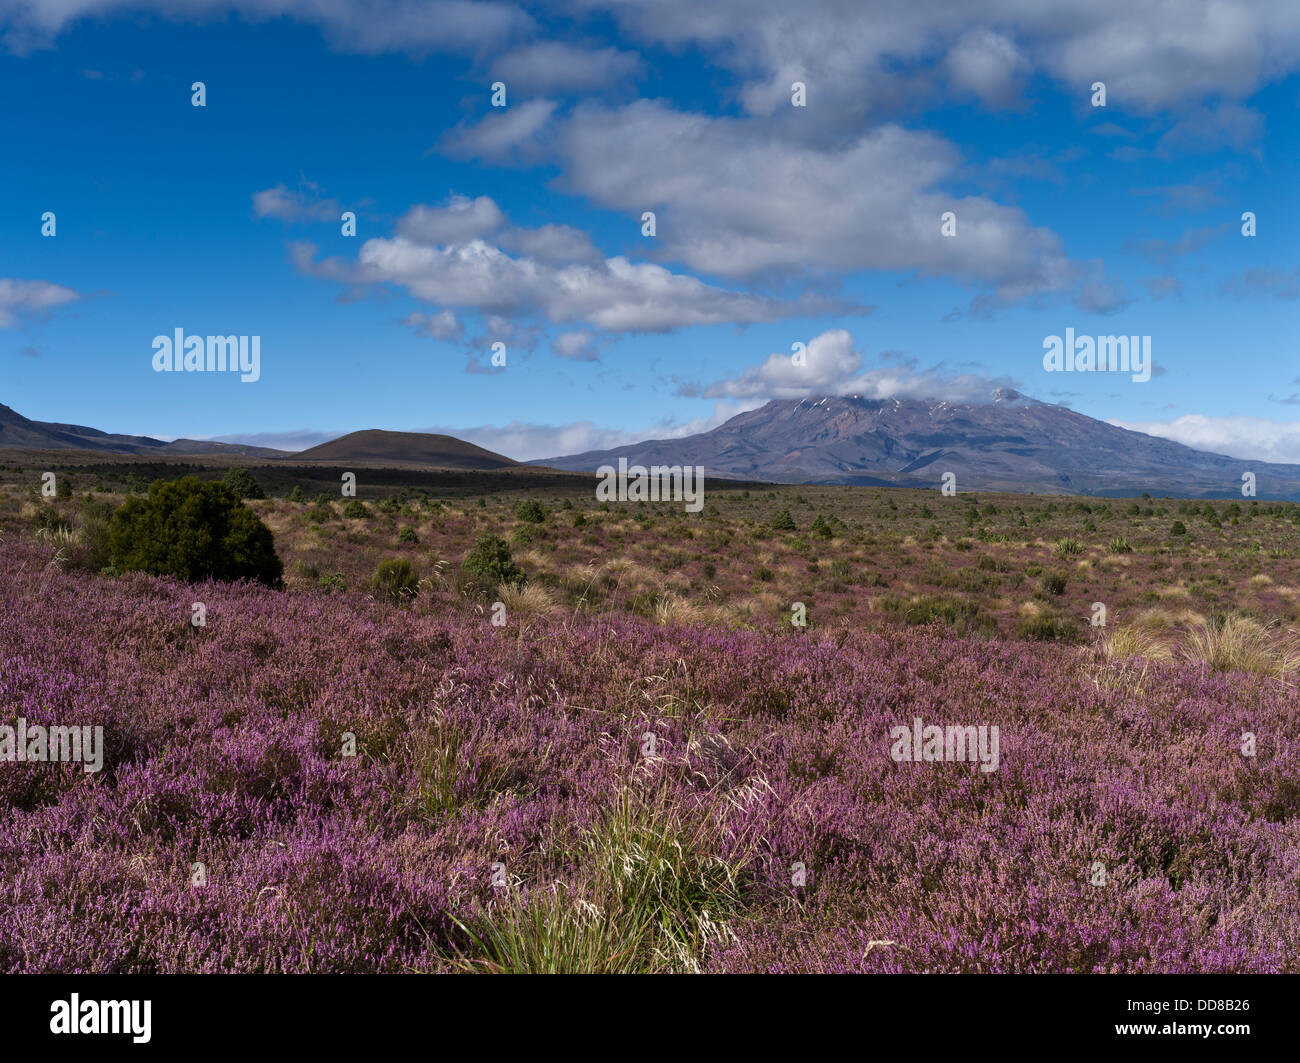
x,y
504,809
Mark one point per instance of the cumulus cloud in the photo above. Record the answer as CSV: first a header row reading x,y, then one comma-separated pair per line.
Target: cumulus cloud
x,y
1237,437
1151,59
20,298
435,258
740,202
457,220
986,65
831,365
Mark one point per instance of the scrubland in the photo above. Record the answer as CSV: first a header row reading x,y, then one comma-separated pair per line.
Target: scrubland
x,y
351,774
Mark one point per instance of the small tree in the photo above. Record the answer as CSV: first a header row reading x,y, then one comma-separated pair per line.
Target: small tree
x,y
530,511
489,564
193,530
783,521
242,483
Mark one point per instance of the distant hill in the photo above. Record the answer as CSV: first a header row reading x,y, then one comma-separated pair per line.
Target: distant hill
x,y
1010,443
21,432
416,448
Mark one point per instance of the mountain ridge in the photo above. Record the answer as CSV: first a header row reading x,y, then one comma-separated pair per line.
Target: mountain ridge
x,y
1010,443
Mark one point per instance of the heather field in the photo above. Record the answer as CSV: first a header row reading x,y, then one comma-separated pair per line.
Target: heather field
x,y
354,773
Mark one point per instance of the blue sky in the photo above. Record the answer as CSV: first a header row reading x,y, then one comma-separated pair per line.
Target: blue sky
x,y
775,224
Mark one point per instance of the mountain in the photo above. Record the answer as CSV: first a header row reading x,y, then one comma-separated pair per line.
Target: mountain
x,y
20,432
1011,443
416,448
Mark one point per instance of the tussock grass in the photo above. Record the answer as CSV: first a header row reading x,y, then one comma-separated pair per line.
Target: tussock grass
x,y
651,896
529,599
1239,644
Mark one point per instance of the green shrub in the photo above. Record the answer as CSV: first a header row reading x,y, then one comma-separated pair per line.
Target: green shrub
x,y
1178,528
395,580
356,510
242,483
1054,583
579,519
63,487
530,511
489,564
783,521
193,530
407,535
763,574
1067,546
296,495
334,582
822,528
1119,545
320,512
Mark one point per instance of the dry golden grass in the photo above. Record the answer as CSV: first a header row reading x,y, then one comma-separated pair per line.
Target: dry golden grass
x,y
529,600
1137,641
1239,644
671,609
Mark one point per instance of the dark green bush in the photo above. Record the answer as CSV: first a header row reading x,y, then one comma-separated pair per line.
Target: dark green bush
x,y
489,564
395,581
192,530
407,535
356,510
531,511
783,521
1054,583
242,483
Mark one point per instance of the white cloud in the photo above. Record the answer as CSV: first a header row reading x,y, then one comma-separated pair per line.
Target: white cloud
x,y
503,136
440,326
553,67
1238,437
986,65
613,295
288,206
577,346
365,26
457,220
530,441
738,202
19,298
832,366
